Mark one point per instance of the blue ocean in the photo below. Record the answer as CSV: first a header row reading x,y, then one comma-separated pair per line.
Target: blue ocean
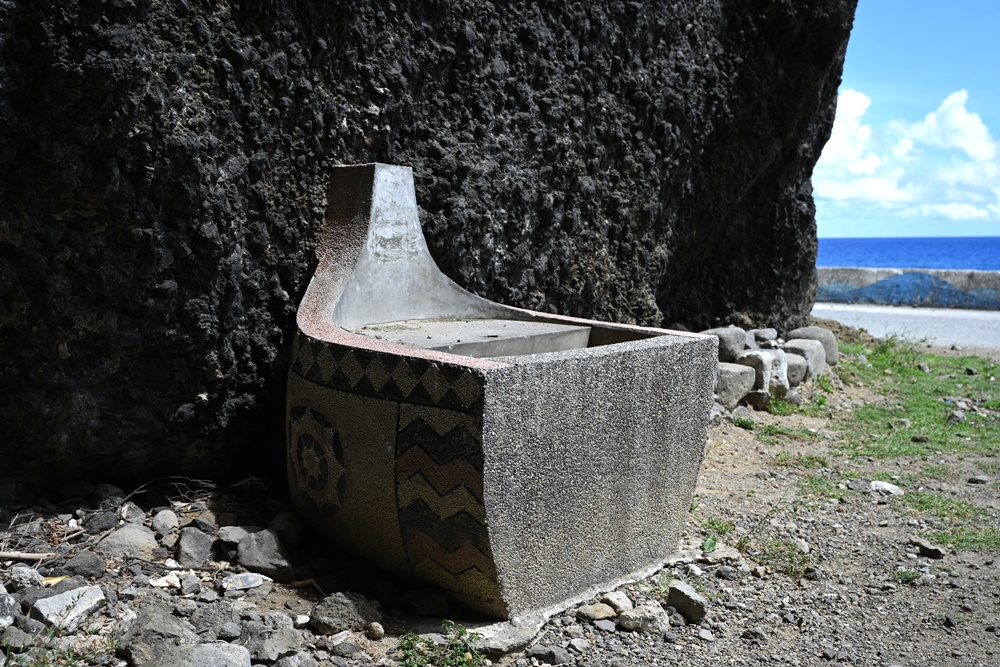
x,y
978,253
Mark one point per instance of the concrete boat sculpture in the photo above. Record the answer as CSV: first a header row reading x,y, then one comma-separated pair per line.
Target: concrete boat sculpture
x,y
518,460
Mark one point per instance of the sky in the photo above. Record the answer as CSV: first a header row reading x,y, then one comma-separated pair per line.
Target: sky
x,y
915,149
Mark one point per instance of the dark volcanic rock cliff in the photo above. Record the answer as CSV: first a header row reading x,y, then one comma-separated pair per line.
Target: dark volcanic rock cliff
x,y
162,173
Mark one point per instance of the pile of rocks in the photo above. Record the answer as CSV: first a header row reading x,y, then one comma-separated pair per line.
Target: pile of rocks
x,y
757,365
180,583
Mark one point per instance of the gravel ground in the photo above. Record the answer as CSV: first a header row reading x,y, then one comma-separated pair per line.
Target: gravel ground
x,y
827,573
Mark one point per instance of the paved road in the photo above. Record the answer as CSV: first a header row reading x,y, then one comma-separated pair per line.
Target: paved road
x,y
939,326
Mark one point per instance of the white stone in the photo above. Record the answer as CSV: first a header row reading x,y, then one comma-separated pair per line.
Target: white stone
x,y
812,351
886,489
67,611
618,601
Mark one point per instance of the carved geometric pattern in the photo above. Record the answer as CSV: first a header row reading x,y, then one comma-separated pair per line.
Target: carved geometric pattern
x,y
388,376
316,457
439,491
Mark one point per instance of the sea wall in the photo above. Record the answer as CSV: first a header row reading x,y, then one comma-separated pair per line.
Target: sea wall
x,y
163,172
929,288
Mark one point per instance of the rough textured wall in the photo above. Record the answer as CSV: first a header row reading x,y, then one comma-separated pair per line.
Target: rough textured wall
x,y
163,164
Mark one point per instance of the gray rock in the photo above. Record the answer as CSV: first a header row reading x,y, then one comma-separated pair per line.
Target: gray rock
x,y
156,632
21,576
86,564
263,552
732,340
687,601
727,573
16,639
229,631
131,512
165,522
797,368
9,610
957,417
595,612
758,399
68,611
343,611
276,644
190,583
649,618
203,655
926,548
194,548
553,655
794,397
812,351
717,414
232,535
346,649
579,644
100,522
770,368
605,625
824,336
278,620
300,659
978,479
131,540
733,383
862,485
618,600
706,635
762,335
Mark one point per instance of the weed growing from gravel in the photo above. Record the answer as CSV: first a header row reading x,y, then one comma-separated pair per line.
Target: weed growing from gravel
x,y
781,556
458,651
745,423
905,576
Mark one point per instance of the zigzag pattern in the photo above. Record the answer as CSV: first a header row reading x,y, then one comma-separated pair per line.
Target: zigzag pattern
x,y
457,443
451,533
417,488
387,376
444,477
456,563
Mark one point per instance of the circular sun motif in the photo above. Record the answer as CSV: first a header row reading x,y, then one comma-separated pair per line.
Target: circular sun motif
x,y
316,457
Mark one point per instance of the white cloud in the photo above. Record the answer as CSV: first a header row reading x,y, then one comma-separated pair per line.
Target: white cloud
x,y
955,211
943,167
953,126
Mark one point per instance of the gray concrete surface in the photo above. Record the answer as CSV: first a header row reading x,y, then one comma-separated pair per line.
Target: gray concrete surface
x,y
976,331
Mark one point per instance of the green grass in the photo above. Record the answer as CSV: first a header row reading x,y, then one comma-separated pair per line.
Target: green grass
x,y
807,461
818,485
717,526
744,423
989,467
824,383
779,555
873,429
936,471
940,505
459,651
904,576
781,407
968,538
